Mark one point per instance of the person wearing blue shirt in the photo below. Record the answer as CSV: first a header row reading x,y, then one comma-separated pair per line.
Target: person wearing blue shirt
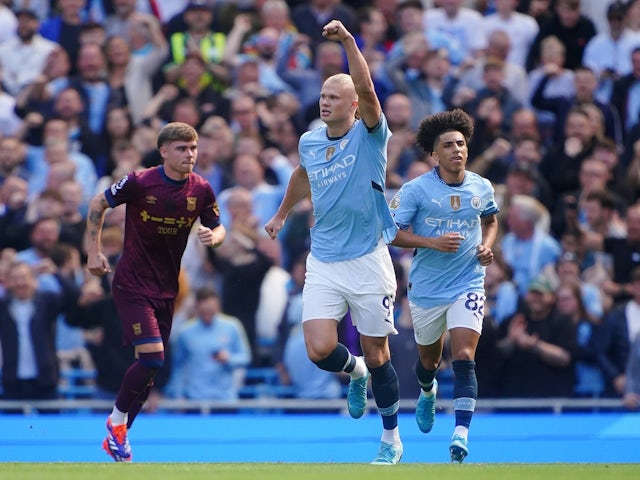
x,y
342,167
449,216
208,352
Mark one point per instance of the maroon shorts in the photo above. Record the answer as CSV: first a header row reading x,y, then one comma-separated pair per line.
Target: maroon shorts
x,y
143,319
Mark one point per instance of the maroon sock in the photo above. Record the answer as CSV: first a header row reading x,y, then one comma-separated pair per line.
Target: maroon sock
x,y
137,379
137,405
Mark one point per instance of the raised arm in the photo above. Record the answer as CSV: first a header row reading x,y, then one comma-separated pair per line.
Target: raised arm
x,y
97,263
297,189
368,102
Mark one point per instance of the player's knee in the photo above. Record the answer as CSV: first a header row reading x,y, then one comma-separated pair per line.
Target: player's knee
x,y
152,360
318,351
464,353
334,360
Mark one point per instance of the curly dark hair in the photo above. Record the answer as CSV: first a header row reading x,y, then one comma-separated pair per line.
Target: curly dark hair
x,y
432,126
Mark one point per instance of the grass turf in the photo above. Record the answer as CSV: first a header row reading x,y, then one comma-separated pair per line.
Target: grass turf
x,y
313,471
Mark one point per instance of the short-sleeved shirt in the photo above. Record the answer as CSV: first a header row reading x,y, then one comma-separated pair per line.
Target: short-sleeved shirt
x,y
347,176
433,208
160,215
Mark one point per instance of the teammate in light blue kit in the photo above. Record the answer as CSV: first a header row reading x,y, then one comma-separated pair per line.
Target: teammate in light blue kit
x,y
342,167
449,216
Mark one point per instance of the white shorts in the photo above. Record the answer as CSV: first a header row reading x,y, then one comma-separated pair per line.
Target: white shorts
x,y
366,286
429,323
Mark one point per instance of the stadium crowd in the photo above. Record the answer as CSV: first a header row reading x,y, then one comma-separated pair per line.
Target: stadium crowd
x,y
553,86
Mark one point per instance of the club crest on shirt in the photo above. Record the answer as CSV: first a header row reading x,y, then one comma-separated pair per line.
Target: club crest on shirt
x,y
395,202
343,143
330,152
191,203
137,329
454,201
476,202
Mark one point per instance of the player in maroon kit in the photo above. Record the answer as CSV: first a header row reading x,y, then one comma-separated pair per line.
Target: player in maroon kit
x,y
163,204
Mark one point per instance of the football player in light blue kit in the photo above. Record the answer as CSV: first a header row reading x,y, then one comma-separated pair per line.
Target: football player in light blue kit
x,y
342,167
449,216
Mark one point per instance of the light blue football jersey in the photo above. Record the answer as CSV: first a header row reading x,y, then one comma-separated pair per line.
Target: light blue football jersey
x,y
347,176
432,208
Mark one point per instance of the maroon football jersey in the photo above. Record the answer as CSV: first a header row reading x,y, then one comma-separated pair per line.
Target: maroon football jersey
x,y
160,215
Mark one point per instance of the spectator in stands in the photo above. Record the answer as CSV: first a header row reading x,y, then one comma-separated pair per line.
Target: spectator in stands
x,y
264,52
538,345
559,82
219,138
490,141
73,214
242,262
527,247
501,292
493,86
56,154
13,219
12,158
27,332
43,237
572,28
249,173
118,22
425,86
520,28
198,37
23,58
585,85
608,54
462,26
275,14
625,254
589,377
372,36
631,398
621,326
310,17
64,27
8,22
602,211
306,83
191,84
10,123
129,75
515,76
401,149
625,97
92,85
570,207
561,164
209,353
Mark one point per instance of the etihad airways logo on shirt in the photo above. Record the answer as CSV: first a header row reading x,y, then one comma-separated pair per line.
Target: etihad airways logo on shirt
x,y
332,173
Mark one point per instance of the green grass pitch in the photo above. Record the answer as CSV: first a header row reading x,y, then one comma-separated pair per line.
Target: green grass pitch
x,y
311,471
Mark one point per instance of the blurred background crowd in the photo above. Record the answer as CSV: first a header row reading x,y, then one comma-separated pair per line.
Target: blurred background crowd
x,y
553,86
